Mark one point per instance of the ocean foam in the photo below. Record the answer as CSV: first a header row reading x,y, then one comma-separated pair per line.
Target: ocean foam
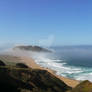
x,y
62,69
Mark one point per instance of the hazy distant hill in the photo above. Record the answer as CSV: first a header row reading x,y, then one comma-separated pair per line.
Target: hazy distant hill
x,y
32,48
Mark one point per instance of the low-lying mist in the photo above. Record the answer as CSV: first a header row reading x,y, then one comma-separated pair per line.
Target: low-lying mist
x,y
24,54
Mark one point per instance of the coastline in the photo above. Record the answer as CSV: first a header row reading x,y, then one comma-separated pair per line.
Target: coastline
x,y
32,64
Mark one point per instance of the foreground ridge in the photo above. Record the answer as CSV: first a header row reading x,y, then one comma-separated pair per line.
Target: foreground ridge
x,y
14,79
20,78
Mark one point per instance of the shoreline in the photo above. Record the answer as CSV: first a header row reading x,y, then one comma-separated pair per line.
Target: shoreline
x,y
32,64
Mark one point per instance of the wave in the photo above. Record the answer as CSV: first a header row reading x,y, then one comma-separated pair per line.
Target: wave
x,y
61,68
87,76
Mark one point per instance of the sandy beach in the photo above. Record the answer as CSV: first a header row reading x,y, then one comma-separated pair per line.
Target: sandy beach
x,y
32,64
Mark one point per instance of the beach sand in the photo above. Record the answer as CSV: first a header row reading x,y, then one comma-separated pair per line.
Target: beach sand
x,y
32,64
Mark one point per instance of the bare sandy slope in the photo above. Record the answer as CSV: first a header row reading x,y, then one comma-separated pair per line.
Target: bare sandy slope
x,y
31,63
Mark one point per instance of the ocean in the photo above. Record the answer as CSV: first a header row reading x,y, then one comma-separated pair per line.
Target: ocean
x,y
74,62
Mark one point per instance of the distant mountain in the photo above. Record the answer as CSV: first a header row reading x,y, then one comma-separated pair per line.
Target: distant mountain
x,y
32,48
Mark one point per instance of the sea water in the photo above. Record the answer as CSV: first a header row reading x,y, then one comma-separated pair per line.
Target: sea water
x,y
69,61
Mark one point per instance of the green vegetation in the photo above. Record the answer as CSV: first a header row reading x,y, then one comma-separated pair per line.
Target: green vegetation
x,y
21,65
15,79
84,86
20,78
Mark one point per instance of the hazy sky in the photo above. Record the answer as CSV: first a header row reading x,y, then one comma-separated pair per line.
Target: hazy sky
x,y
61,22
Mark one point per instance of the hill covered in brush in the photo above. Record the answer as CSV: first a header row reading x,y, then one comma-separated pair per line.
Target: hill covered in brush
x,y
85,86
20,78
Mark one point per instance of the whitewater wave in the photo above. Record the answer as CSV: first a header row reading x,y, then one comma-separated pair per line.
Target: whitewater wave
x,y
61,68
85,75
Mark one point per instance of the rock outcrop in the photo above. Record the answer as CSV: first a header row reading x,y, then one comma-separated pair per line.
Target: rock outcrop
x,y
21,65
2,63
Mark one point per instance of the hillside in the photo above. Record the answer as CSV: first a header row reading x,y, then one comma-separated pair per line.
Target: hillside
x,y
15,79
20,78
84,86
32,48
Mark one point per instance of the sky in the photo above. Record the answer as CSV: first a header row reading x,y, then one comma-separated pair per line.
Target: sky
x,y
46,22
